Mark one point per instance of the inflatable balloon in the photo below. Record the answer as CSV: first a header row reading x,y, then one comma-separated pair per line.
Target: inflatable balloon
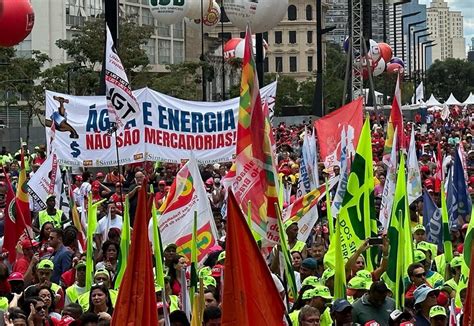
x,y
385,51
16,21
234,48
262,15
194,8
211,18
395,68
374,50
171,13
379,67
398,60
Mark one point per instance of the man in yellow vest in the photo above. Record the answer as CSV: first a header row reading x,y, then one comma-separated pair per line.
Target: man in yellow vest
x,y
51,214
79,287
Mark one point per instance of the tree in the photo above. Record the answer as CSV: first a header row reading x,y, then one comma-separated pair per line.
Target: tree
x,y
450,76
182,81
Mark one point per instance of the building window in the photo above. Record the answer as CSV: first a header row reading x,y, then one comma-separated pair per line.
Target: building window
x,y
178,52
292,12
309,12
278,37
164,51
310,63
265,65
164,30
293,64
147,18
226,36
265,36
292,37
150,51
278,64
242,34
309,37
178,30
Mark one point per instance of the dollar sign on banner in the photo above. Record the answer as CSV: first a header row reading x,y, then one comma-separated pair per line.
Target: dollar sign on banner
x,y
75,149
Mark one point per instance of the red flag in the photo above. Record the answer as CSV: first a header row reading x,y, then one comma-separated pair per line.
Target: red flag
x,y
250,295
395,122
439,170
11,226
468,318
136,301
329,130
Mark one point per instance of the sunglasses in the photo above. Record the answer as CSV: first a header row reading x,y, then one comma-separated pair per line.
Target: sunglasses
x,y
40,308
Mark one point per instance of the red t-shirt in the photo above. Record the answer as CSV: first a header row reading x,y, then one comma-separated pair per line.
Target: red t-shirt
x,y
21,265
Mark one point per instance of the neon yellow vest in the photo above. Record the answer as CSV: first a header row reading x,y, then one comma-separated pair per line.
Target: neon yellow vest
x,y
299,246
45,217
294,317
3,304
174,303
83,299
72,293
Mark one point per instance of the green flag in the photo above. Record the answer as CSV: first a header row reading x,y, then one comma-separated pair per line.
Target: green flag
x,y
340,270
124,244
400,253
91,227
447,243
288,266
157,250
357,215
194,261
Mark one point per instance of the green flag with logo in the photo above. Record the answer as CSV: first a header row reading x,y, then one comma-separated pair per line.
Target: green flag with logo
x,y
357,215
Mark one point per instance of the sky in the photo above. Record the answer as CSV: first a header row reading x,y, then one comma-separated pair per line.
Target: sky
x,y
466,8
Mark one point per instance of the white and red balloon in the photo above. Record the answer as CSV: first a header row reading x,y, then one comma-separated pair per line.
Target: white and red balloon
x,y
234,48
16,21
210,18
262,15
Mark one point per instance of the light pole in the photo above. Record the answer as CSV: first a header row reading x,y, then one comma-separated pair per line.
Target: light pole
x,y
418,64
426,47
423,61
414,48
403,34
395,5
409,43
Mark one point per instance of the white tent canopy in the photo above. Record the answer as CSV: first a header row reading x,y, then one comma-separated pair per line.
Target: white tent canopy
x,y
452,100
469,100
432,101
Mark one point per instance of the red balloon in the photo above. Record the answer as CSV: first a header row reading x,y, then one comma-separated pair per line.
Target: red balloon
x,y
16,21
395,68
385,51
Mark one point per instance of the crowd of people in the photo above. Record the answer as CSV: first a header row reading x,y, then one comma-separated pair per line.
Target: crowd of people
x,y
45,285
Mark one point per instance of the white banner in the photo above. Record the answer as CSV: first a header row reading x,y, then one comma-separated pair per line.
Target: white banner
x,y
40,186
121,103
167,130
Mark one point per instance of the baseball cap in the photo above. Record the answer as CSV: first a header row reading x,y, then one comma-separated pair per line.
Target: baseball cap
x,y
205,271
102,271
456,262
45,264
418,256
170,246
28,244
221,256
217,270
80,264
327,274
340,305
365,274
162,182
78,178
422,292
99,174
209,281
424,246
419,227
289,223
308,294
310,280
321,291
359,283
309,263
15,276
437,311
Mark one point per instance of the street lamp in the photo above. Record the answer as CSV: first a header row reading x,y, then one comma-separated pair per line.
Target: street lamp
x,y
395,24
403,34
418,64
409,42
414,49
426,47
423,61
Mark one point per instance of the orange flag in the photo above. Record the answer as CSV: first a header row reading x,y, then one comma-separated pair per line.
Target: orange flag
x,y
136,302
250,295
